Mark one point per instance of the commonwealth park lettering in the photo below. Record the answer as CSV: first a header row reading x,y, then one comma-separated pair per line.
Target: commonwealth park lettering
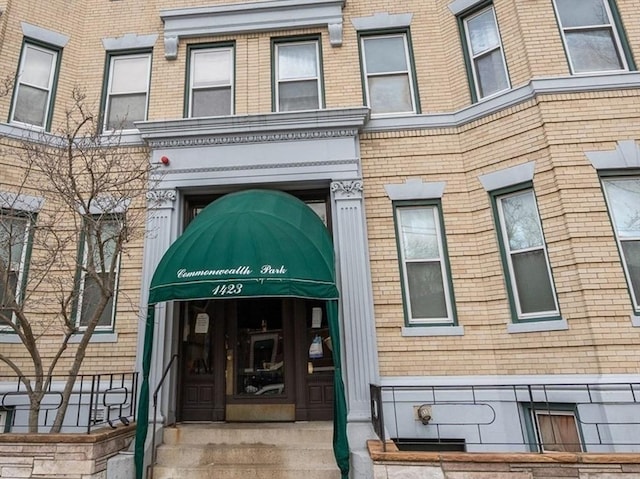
x,y
268,269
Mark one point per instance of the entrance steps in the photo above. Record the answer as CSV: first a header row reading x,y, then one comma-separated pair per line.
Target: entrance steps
x,y
247,451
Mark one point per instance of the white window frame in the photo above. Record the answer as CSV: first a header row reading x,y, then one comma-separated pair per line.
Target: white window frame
x,y
434,209
611,26
231,85
4,417
22,267
409,72
553,412
508,253
79,309
107,104
317,78
50,85
619,240
472,58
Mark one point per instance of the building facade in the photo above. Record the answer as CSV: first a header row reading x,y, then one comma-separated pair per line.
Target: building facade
x,y
476,164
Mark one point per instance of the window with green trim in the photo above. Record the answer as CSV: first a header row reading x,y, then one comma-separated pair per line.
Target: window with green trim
x,y
388,74
591,39
425,273
14,237
298,84
100,271
623,200
485,53
211,81
553,427
527,264
6,414
35,84
127,90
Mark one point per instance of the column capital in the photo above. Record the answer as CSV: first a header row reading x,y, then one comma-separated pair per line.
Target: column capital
x,y
161,199
347,189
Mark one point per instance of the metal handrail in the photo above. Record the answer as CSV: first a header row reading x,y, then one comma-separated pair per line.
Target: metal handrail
x,y
155,415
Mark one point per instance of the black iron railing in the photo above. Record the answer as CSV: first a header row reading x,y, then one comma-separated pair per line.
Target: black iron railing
x,y
96,401
509,418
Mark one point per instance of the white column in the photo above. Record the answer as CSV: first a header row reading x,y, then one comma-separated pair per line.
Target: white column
x,y
158,238
359,347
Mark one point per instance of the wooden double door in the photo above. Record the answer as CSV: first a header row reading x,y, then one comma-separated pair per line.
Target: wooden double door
x,y
263,359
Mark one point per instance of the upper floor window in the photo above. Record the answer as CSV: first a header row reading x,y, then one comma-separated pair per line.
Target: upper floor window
x,y
590,36
211,81
623,199
99,277
32,101
127,90
425,276
485,53
388,75
297,74
14,235
529,275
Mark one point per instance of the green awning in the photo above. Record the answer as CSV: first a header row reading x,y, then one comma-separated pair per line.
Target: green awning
x,y
250,244
255,243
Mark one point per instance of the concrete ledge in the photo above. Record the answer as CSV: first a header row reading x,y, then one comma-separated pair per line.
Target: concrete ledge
x,y
99,435
392,454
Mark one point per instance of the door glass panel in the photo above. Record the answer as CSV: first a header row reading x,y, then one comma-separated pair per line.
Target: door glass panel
x,y
198,336
319,341
260,364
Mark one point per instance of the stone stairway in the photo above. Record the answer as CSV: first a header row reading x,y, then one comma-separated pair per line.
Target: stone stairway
x,y
247,451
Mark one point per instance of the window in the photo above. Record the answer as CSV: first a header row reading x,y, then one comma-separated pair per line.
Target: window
x,y
100,269
530,283
297,74
623,199
426,290
6,415
35,85
556,430
127,91
211,82
590,36
485,53
389,85
14,235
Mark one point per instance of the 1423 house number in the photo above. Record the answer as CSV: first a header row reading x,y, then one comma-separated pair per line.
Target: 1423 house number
x,y
227,289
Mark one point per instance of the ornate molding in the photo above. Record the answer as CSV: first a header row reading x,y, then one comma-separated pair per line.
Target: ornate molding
x,y
347,189
247,17
262,166
157,199
250,138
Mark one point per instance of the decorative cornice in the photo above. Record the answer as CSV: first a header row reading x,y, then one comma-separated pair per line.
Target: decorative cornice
x,y
347,189
261,166
268,15
482,109
242,129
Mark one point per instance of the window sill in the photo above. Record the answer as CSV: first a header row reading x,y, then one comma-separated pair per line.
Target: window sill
x,y
97,337
9,338
536,326
635,320
416,331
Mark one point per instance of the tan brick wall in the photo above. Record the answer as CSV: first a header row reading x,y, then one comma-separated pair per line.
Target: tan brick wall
x,y
553,130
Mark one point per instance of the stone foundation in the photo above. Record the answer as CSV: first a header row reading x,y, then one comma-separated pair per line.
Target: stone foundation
x,y
68,456
394,464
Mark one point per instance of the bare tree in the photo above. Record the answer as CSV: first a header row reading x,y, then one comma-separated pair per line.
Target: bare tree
x,y
58,268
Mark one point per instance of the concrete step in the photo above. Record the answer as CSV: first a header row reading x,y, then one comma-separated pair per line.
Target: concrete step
x,y
288,456
239,472
312,434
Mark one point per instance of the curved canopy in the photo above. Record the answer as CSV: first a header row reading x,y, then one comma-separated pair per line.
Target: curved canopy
x,y
252,243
